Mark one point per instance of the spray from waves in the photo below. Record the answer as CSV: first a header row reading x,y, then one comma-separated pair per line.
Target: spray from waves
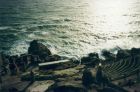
x,y
66,40
73,45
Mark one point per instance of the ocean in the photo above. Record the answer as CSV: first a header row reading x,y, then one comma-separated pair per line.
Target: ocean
x,y
69,27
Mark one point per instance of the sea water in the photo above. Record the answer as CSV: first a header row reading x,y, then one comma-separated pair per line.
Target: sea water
x,y
69,27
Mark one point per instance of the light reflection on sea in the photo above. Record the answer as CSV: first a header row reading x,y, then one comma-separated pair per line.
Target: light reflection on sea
x,y
69,27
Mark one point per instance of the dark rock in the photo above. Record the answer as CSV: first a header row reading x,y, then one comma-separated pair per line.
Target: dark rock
x,y
39,49
135,51
13,89
88,78
52,58
93,55
116,88
108,56
35,59
108,89
91,60
67,87
122,54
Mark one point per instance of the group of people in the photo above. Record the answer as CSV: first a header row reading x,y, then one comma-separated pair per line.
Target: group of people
x,y
16,64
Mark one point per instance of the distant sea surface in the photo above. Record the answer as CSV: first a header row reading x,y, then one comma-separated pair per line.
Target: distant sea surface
x,y
69,27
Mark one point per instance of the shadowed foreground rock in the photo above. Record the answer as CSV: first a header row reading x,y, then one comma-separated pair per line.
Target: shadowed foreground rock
x,y
108,89
67,87
88,78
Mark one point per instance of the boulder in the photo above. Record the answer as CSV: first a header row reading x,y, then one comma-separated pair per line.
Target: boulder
x,y
91,60
122,54
135,51
108,55
39,49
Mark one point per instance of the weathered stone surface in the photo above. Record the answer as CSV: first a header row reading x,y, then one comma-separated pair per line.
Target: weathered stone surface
x,y
40,86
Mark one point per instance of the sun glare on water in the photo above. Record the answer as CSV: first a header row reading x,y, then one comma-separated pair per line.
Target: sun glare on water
x,y
109,15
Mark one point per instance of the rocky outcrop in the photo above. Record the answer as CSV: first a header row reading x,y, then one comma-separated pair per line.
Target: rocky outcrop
x,y
39,49
135,51
122,54
109,57
91,60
